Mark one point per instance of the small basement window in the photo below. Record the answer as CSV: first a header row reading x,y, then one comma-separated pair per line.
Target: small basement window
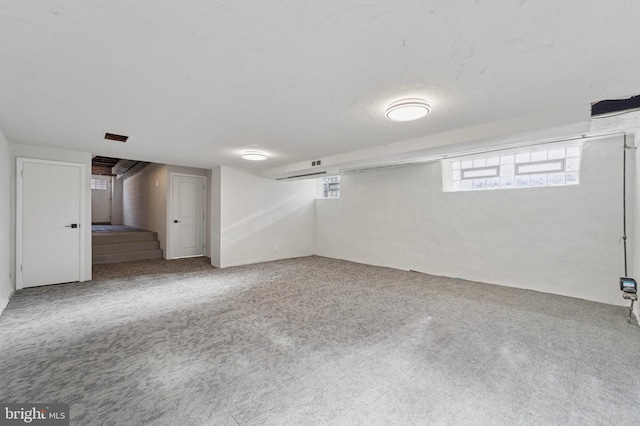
x,y
328,187
537,166
99,184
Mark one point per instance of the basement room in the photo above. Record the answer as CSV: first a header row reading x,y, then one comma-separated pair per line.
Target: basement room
x,y
319,213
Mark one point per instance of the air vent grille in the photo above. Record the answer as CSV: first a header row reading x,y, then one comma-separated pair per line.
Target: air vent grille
x,y
114,137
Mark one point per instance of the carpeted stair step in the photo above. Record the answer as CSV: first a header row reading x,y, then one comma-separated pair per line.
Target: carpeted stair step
x,y
116,247
125,247
127,256
123,237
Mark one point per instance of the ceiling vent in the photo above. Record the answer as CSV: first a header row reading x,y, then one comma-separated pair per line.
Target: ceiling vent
x,y
114,137
303,176
615,105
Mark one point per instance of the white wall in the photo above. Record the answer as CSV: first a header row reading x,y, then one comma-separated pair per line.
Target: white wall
x,y
563,240
6,286
215,196
264,219
116,200
41,153
144,201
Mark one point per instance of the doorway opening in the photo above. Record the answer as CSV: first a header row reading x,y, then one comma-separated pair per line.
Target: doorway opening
x,y
166,202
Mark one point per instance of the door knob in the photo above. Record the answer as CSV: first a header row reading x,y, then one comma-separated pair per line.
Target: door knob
x,y
176,221
73,225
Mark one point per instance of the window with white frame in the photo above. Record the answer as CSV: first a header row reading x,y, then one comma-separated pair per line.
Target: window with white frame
x,y
328,187
99,184
542,165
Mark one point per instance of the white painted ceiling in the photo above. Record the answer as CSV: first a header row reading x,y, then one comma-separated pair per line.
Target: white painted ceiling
x,y
196,82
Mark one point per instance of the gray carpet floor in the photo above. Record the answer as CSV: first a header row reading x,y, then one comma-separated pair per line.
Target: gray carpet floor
x,y
315,341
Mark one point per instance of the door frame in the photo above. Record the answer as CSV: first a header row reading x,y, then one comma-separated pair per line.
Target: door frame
x,y
20,161
169,246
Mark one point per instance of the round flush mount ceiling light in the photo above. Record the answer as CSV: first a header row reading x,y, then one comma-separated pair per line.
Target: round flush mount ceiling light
x,y
254,155
407,110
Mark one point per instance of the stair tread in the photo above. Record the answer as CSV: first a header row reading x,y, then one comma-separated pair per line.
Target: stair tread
x,y
127,256
136,251
123,237
115,247
97,234
125,243
106,234
128,252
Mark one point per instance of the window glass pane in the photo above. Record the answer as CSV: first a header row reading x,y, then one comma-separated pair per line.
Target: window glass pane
x,y
554,154
555,179
552,166
572,178
535,166
330,187
480,162
573,164
506,182
493,161
493,183
538,155
479,173
478,184
466,185
507,170
507,159
99,184
573,151
538,180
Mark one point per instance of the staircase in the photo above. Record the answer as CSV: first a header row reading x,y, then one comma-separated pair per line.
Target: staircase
x,y
114,247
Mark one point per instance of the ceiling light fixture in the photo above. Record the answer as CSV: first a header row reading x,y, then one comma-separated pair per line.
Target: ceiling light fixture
x,y
254,155
407,110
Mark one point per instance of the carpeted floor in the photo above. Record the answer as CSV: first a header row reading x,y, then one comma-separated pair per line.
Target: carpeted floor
x,y
315,341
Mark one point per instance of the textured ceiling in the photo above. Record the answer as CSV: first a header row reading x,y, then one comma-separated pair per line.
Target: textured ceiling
x,y
195,83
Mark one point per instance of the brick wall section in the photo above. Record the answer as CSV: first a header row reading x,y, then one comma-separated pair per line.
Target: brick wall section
x,y
144,200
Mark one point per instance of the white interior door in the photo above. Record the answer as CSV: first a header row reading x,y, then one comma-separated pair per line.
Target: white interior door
x,y
100,199
187,216
48,220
